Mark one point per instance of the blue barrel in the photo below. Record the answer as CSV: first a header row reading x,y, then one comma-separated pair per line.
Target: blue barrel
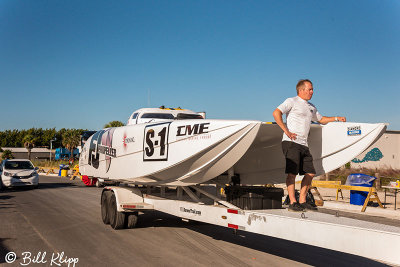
x,y
61,167
359,179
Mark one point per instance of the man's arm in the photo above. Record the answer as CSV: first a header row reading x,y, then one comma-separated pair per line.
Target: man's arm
x,y
278,118
326,120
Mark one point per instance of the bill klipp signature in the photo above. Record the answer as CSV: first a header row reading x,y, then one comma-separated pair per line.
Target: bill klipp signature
x,y
54,259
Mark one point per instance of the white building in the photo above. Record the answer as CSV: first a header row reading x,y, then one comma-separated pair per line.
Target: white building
x,y
384,154
37,153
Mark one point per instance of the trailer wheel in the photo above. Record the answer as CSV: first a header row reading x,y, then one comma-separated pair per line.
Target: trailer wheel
x,y
131,220
117,219
105,212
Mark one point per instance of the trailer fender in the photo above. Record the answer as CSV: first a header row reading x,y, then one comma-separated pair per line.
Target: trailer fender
x,y
128,199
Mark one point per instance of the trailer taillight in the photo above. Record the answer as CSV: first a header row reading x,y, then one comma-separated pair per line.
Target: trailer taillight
x,y
234,226
237,227
129,206
233,211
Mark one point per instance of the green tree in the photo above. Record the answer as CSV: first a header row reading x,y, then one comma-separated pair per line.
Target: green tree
x,y
3,139
29,143
48,134
11,138
71,139
7,154
114,124
19,137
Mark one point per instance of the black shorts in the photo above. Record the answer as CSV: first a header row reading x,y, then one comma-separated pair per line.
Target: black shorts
x,y
298,158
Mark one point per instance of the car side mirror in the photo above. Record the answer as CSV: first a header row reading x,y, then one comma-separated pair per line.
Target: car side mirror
x,y
36,168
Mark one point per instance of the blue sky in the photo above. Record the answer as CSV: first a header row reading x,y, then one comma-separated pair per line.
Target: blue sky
x,y
81,64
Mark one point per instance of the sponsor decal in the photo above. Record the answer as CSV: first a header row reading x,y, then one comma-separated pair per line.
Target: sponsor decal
x,y
199,137
192,211
101,143
187,130
126,140
109,151
155,142
354,130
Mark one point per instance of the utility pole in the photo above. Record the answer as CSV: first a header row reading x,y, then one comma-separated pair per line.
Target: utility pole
x,y
51,145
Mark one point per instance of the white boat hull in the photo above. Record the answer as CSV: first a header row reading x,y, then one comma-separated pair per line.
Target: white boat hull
x,y
331,147
187,152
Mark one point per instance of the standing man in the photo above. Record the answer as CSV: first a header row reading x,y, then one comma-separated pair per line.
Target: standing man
x,y
299,114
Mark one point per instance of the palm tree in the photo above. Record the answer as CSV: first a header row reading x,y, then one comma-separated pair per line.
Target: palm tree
x,y
114,124
29,143
71,139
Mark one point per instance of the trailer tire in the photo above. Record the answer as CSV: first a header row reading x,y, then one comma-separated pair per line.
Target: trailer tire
x,y
105,212
131,220
117,219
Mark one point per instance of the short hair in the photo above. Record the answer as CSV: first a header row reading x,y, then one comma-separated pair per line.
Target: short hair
x,y
301,84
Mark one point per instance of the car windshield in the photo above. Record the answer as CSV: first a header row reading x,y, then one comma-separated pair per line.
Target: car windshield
x,y
18,165
166,116
185,116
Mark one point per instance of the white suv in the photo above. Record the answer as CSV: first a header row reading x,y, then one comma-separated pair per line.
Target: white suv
x,y
18,172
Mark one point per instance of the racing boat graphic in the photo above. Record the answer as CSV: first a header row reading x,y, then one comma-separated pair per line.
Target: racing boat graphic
x,y
179,147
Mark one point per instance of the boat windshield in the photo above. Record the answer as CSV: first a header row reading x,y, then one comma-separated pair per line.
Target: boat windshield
x,y
185,116
85,136
165,116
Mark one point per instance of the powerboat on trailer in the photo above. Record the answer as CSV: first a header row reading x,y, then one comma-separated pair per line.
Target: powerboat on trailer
x,y
179,147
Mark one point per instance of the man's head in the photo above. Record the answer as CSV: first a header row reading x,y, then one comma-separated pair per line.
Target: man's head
x,y
305,89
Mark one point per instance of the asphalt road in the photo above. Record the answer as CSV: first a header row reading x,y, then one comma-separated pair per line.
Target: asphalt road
x,y
60,223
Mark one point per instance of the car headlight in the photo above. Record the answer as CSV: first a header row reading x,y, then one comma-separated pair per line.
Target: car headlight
x,y
7,174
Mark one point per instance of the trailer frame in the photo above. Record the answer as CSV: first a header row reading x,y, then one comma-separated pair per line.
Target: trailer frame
x,y
197,203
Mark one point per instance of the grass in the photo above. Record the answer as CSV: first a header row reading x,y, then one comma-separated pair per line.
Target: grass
x,y
53,163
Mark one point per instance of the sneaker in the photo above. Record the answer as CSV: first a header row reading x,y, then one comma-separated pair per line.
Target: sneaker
x,y
308,206
295,207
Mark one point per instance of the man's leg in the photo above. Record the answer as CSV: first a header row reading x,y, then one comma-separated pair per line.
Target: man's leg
x,y
290,180
305,185
307,167
292,155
